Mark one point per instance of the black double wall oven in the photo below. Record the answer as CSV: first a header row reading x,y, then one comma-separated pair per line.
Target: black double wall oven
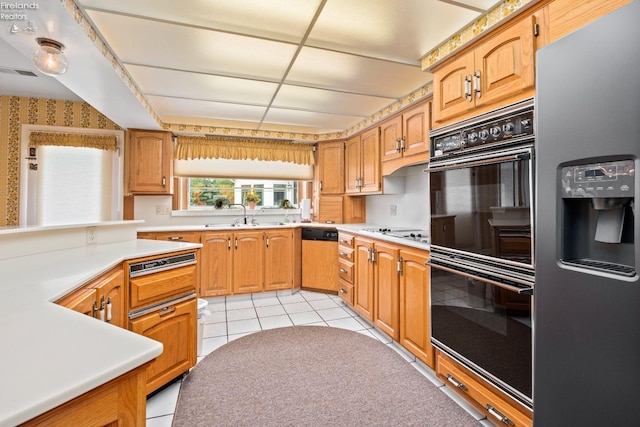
x,y
482,266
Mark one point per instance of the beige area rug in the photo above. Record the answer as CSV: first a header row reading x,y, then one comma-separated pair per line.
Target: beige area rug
x,y
311,376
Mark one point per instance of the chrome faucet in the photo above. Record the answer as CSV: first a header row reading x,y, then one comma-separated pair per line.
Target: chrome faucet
x,y
244,209
253,220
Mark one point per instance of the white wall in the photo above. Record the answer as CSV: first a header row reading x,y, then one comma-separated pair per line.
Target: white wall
x,y
412,206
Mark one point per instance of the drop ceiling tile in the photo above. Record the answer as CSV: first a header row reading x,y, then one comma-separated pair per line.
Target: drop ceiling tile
x,y
354,74
327,101
145,42
401,31
177,107
322,122
275,19
153,81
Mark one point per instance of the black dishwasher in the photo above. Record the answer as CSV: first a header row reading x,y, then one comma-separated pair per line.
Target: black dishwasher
x,y
320,259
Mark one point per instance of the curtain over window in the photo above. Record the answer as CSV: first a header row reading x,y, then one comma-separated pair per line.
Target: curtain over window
x,y
58,139
214,147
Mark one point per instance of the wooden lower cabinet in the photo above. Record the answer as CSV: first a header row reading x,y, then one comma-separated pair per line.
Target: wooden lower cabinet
x,y
364,277
103,298
175,328
387,289
415,328
216,268
346,274
120,402
496,405
278,259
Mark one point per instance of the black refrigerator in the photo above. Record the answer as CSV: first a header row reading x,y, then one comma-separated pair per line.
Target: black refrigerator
x,y
587,291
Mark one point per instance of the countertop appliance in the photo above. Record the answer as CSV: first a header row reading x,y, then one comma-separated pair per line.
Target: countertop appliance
x,y
320,259
587,311
482,265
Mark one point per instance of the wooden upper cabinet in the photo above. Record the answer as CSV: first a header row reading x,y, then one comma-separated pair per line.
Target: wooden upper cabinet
x,y
149,158
566,16
362,160
497,71
404,139
390,138
330,166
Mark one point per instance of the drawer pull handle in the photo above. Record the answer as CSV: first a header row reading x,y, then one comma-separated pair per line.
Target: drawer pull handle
x,y
503,419
342,270
456,383
342,291
345,240
167,310
343,254
175,238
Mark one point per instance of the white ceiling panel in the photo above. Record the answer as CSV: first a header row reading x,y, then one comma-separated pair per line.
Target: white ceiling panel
x,y
198,86
276,19
177,107
312,99
310,119
146,42
400,31
355,74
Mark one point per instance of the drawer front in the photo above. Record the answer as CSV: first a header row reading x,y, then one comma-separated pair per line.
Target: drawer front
x,y
345,253
158,287
498,409
345,291
345,270
345,239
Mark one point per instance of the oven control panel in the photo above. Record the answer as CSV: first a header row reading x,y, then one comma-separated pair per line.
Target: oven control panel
x,y
490,132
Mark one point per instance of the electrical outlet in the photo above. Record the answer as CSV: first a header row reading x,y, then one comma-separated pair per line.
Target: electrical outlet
x,y
394,210
163,210
92,235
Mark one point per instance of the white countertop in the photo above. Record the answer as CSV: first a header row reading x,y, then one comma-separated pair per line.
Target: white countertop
x,y
51,354
229,227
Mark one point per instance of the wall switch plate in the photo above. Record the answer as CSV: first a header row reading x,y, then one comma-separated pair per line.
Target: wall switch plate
x,y
92,235
394,210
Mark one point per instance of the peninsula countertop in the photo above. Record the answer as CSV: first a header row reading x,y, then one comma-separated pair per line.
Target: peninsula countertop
x,y
52,354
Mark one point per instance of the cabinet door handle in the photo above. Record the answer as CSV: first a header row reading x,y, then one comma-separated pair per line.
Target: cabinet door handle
x,y
320,185
502,418
403,142
467,88
229,243
374,254
455,382
267,240
477,88
236,243
400,265
167,310
398,147
108,310
164,181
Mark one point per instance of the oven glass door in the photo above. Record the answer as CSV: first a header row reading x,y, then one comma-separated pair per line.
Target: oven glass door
x,y
483,207
486,327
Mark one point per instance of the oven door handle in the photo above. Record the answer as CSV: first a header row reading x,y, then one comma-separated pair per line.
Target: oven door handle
x,y
473,275
481,160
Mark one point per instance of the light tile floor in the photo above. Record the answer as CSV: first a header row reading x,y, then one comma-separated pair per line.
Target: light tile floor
x,y
235,316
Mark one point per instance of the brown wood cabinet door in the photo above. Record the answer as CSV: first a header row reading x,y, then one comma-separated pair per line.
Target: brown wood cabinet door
x,y
353,165
371,168
506,63
331,167
416,130
248,262
390,136
175,328
216,266
150,162
111,290
364,276
82,301
278,260
449,88
415,329
387,289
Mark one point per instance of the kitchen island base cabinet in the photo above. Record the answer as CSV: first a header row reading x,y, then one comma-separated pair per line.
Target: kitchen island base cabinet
x,y
120,402
175,327
415,330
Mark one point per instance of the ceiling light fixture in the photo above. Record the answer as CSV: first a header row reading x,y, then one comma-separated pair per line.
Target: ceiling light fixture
x,y
48,57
